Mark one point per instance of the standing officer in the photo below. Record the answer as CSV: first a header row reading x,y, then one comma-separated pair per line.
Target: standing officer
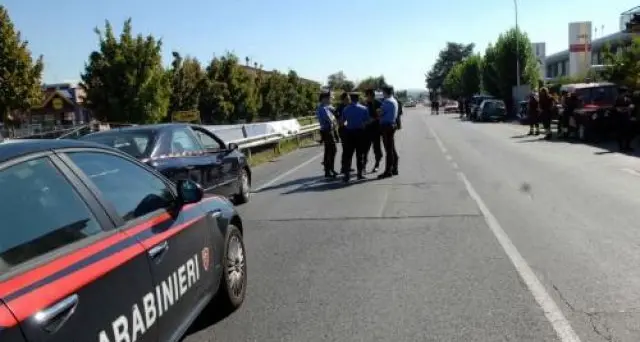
x,y
355,118
388,127
327,126
373,129
623,120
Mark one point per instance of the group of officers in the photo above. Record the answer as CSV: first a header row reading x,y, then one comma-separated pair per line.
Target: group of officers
x,y
543,106
360,127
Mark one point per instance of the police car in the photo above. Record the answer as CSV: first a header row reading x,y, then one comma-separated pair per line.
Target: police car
x,y
97,246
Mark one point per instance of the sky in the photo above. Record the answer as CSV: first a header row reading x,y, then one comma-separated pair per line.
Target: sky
x,y
399,39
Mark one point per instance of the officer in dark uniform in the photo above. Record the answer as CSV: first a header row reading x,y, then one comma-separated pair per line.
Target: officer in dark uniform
x,y
388,126
373,129
622,107
327,126
355,118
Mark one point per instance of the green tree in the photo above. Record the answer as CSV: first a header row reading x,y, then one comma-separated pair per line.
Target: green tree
x,y
371,83
20,86
273,91
490,82
503,63
402,95
187,82
452,54
471,76
624,68
452,84
124,79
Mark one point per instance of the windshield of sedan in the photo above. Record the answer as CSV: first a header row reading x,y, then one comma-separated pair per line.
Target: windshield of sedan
x,y
138,144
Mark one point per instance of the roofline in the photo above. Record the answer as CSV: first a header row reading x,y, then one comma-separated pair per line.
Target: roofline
x,y
597,44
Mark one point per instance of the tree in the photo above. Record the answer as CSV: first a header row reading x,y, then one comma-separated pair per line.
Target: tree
x,y
490,82
402,95
124,79
624,68
452,84
452,54
371,83
20,86
187,81
339,81
471,75
273,93
502,62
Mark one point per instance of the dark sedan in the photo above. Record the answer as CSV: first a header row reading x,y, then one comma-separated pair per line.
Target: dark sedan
x,y
184,151
97,246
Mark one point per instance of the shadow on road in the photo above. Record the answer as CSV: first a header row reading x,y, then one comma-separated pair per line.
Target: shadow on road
x,y
298,181
608,146
327,185
205,320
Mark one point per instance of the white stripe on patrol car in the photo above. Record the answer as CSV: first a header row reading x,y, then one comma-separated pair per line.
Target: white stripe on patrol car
x,y
130,327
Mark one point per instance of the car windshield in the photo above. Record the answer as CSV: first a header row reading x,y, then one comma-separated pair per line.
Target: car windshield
x,y
597,95
135,143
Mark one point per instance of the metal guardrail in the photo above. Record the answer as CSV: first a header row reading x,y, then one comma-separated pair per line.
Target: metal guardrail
x,y
272,138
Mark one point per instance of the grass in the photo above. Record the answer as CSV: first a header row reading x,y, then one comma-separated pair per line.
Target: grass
x,y
307,120
285,146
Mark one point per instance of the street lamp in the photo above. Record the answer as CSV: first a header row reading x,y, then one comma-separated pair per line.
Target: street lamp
x,y
515,4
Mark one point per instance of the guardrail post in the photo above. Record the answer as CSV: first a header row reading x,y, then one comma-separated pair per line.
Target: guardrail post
x,y
244,131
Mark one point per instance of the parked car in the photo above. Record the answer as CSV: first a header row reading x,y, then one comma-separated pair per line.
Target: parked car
x,y
491,110
410,104
451,107
593,119
185,151
475,102
97,246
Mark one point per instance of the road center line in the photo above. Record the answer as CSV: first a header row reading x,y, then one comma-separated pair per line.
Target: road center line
x,y
551,310
283,175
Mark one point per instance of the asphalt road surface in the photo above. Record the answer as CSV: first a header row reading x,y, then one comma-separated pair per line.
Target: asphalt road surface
x,y
486,235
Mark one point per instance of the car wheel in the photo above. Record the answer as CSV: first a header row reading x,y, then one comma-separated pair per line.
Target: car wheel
x,y
244,188
233,286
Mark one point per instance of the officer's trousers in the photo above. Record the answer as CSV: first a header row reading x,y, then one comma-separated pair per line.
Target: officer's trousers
x,y
329,150
374,139
625,131
391,155
355,142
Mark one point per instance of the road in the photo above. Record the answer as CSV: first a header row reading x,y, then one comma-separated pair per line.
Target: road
x,y
485,235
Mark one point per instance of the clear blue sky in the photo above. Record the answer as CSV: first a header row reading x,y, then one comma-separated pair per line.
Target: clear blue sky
x,y
399,39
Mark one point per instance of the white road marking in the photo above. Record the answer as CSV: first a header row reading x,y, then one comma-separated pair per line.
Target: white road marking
x,y
449,158
631,171
282,175
551,310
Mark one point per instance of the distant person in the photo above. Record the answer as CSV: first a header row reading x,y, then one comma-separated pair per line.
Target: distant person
x,y
623,109
546,104
355,118
373,128
327,126
533,115
398,119
388,127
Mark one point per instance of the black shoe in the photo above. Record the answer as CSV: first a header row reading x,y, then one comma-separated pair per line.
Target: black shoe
x,y
346,178
360,176
334,173
329,175
530,133
394,172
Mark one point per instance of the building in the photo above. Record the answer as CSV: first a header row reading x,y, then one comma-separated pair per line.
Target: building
x,y
583,52
62,105
557,64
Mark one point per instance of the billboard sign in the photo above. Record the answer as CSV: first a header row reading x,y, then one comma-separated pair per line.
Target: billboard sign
x,y
579,48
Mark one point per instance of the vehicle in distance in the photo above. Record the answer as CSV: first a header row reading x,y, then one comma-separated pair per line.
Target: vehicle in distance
x,y
97,246
476,101
185,151
492,110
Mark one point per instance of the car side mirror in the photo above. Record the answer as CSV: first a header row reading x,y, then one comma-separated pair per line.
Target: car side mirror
x,y
232,146
189,191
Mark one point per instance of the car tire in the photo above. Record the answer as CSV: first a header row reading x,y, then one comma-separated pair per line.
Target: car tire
x,y
233,285
244,188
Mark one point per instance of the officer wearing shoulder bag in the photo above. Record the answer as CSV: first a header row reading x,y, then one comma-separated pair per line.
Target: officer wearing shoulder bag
x,y
327,126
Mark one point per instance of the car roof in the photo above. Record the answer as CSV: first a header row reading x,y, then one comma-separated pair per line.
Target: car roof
x,y
11,149
139,128
587,85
